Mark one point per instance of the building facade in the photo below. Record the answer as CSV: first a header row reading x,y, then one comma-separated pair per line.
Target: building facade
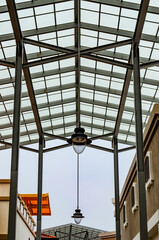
x,y
129,206
25,223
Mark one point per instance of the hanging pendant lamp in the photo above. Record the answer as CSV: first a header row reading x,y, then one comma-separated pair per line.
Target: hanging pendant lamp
x,y
77,214
79,140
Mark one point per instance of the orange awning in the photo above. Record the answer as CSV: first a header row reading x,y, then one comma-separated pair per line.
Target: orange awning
x,y
31,201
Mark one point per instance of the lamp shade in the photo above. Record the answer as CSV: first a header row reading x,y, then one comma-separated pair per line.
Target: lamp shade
x,y
77,216
79,140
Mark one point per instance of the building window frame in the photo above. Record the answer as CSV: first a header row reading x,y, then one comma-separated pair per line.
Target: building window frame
x,y
125,216
134,197
149,174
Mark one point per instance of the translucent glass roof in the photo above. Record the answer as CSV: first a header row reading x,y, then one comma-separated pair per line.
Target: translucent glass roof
x,y
78,58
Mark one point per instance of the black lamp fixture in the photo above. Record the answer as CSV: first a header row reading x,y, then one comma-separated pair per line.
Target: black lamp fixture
x,y
79,140
77,215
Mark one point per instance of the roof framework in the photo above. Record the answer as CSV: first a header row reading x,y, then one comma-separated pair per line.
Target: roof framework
x,y
73,232
77,66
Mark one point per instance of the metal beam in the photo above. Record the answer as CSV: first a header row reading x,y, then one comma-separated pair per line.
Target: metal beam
x,y
109,61
15,146
126,149
43,118
77,19
7,63
48,60
46,45
37,3
22,147
101,136
56,148
139,146
125,5
88,26
149,64
106,46
116,189
136,39
84,86
72,100
18,36
40,183
55,136
100,148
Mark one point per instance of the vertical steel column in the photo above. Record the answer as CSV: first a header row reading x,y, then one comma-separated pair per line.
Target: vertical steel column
x,y
40,175
139,145
15,145
116,187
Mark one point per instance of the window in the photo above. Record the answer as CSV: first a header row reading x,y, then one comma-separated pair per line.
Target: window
x,y
134,197
149,176
125,220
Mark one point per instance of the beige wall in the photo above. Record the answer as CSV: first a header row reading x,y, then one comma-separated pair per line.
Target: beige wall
x,y
152,196
23,229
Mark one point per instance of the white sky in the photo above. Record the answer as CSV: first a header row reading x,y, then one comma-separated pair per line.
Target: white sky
x,y
59,180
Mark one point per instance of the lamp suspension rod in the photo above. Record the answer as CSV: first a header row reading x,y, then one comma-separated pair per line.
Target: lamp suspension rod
x,y
77,180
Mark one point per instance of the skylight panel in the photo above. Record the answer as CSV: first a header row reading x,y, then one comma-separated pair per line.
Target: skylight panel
x,y
155,53
9,51
108,20
50,66
100,110
124,127
4,16
44,9
89,17
68,79
88,41
87,79
45,20
36,69
97,131
154,3
145,52
4,73
64,5
68,119
56,109
86,119
86,107
110,9
150,28
87,62
65,16
86,93
68,94
55,96
129,13
67,62
102,82
2,2
27,23
6,27
46,124
109,124
127,24
69,107
28,115
119,69
152,74
101,96
118,85
89,33
25,102
98,121
111,112
25,13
